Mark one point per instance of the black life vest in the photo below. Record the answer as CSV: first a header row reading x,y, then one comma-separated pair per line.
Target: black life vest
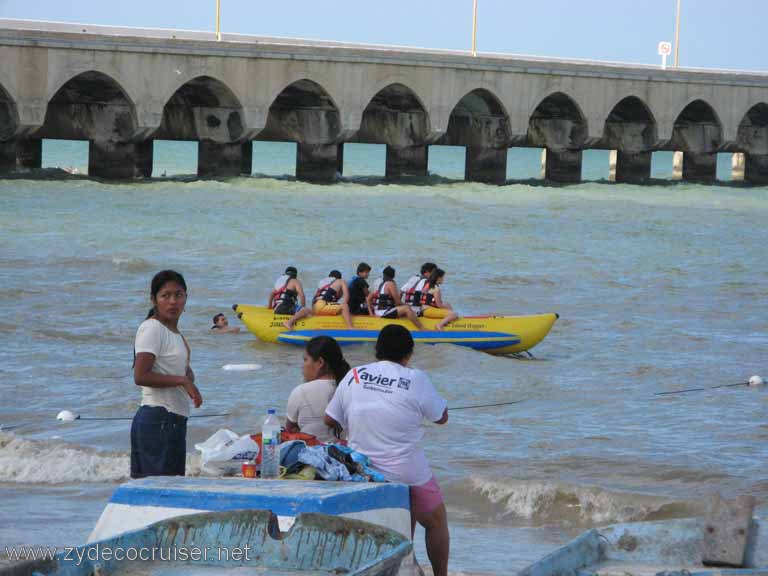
x,y
382,300
285,300
325,292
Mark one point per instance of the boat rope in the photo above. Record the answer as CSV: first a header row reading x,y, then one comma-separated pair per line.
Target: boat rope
x,y
485,405
78,417
686,390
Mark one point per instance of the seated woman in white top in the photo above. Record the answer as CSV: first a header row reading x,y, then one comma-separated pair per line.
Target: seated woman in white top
x,y
324,366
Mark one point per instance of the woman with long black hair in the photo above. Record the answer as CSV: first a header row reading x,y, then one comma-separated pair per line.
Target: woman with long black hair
x,y
324,367
162,369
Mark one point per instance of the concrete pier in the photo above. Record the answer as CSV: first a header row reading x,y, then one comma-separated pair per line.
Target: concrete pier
x,y
629,167
19,155
406,162
120,161
80,82
487,165
699,167
222,160
317,162
563,166
246,161
756,169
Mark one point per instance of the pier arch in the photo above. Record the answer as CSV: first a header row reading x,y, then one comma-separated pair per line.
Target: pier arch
x,y
630,133
205,109
90,106
630,126
480,122
753,130
304,112
752,138
698,134
478,119
397,117
9,119
93,106
9,123
558,125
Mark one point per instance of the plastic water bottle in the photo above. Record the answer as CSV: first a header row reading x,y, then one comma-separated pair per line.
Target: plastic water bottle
x,y
270,442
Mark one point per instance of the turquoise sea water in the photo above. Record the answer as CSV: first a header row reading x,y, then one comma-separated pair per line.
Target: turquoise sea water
x,y
659,288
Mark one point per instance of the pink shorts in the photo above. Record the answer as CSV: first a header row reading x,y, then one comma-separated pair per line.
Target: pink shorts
x,y
426,497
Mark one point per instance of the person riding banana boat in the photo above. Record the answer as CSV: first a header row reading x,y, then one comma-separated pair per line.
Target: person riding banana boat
x,y
331,299
410,292
432,303
287,297
385,302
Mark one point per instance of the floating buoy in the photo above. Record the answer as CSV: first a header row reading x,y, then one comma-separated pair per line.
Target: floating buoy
x,y
67,416
756,381
241,367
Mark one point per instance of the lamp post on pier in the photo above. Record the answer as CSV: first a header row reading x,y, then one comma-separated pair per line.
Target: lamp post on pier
x,y
218,20
677,35
474,29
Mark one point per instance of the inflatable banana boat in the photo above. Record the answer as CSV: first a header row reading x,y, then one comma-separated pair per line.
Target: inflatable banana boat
x,y
492,334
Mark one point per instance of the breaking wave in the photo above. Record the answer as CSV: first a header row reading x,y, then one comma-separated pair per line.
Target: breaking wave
x,y
25,461
560,503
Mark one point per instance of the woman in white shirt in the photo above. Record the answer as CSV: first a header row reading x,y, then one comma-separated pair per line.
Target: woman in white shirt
x,y
162,369
324,366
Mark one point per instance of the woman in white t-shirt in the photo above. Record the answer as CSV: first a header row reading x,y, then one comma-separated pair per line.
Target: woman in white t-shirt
x,y
162,369
382,406
324,366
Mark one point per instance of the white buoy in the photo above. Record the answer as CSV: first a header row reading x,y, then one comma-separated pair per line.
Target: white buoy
x,y
756,381
241,367
67,416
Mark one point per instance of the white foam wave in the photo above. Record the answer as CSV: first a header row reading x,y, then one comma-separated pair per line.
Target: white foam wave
x,y
559,502
131,263
24,461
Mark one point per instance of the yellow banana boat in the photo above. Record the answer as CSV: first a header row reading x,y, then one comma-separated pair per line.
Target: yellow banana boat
x,y
492,334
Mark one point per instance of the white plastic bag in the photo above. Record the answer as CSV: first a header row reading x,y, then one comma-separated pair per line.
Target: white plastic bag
x,y
224,452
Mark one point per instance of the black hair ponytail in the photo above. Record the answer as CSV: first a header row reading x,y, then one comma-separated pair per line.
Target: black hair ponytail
x,y
329,350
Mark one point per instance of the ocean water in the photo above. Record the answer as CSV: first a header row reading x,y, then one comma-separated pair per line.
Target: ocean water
x,y
659,288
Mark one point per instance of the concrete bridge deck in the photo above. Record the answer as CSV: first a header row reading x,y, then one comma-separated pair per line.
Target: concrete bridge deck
x,y
122,88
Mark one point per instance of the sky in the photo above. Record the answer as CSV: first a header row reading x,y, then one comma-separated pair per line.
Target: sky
x,y
714,34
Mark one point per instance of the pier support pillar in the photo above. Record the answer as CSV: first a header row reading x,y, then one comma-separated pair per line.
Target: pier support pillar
x,y
630,168
8,156
120,160
317,162
756,169
737,167
699,167
562,165
340,160
405,162
677,165
20,155
215,160
246,161
487,165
